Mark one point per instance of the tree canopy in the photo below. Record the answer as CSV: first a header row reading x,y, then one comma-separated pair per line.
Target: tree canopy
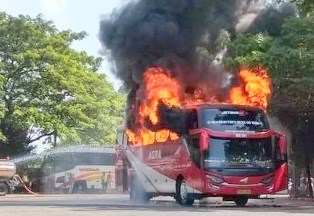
x,y
47,87
305,6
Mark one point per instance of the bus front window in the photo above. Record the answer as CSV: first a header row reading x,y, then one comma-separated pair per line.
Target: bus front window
x,y
234,120
239,153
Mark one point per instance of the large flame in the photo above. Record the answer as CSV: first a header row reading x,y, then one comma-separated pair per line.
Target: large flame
x,y
160,88
254,89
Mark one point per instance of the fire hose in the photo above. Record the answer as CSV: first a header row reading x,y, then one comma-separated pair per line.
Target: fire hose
x,y
24,185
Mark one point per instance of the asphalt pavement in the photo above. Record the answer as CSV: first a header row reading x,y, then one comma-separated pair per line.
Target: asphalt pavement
x,y
119,204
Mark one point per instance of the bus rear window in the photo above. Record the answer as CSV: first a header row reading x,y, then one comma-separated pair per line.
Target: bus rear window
x,y
233,120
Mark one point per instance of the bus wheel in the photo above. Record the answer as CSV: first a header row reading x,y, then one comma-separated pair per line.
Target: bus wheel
x,y
182,195
80,187
241,201
4,189
138,193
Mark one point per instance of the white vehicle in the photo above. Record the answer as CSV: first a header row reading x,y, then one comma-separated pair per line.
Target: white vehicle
x,y
7,172
80,170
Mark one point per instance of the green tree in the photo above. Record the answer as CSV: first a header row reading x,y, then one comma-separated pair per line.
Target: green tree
x,y
305,6
47,87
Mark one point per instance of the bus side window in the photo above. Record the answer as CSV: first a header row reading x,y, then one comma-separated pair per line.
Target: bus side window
x,y
194,148
192,120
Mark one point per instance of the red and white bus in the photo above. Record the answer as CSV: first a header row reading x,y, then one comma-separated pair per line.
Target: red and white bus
x,y
228,151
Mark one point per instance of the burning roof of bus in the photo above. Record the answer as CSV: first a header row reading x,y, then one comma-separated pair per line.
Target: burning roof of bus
x,y
158,50
161,91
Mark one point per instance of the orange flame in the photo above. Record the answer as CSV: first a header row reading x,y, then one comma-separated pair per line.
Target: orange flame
x,y
160,88
254,89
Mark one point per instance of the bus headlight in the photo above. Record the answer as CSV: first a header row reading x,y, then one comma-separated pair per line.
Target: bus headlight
x,y
215,180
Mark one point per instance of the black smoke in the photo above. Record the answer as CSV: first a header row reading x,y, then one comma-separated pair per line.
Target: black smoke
x,y
174,119
161,32
167,33
271,19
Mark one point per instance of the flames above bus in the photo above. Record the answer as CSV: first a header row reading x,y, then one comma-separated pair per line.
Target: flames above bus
x,y
254,89
160,90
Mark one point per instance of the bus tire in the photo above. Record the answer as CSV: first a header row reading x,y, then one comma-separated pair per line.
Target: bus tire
x,y
241,201
4,189
80,187
138,193
182,195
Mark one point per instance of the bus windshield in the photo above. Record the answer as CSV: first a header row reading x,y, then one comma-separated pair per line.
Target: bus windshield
x,y
233,120
239,153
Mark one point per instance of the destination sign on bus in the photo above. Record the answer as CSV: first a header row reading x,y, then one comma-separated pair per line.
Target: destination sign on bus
x,y
228,119
235,122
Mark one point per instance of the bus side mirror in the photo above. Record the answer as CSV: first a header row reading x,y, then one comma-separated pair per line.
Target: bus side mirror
x,y
281,146
204,142
282,142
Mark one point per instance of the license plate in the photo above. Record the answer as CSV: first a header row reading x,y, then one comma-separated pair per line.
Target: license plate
x,y
244,191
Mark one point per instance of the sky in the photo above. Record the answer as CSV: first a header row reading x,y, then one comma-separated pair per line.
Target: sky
x,y
76,15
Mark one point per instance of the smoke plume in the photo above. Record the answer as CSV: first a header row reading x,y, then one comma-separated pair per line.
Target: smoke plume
x,y
168,33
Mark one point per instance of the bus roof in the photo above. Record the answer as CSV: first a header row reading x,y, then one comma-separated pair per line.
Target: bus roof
x,y
83,149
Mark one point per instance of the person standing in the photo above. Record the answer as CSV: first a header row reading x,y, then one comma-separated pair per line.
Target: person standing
x,y
109,181
104,182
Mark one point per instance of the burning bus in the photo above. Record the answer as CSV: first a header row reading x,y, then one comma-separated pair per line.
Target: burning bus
x,y
195,122
191,147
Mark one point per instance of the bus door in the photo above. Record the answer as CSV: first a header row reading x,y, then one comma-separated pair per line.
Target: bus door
x,y
195,175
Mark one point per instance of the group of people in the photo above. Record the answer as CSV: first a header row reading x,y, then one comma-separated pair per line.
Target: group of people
x,y
106,182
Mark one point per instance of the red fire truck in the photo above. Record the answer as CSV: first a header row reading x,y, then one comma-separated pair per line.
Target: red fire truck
x,y
228,151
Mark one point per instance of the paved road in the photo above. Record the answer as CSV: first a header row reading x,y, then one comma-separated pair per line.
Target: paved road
x,y
119,205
